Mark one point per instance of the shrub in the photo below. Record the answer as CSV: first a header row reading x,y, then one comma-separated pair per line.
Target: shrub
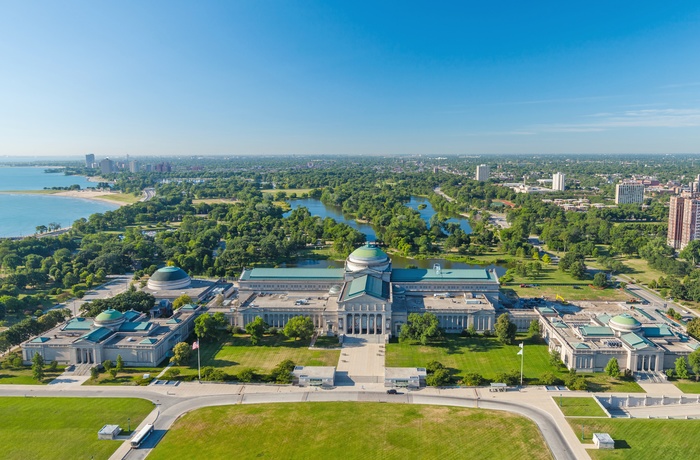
x,y
53,366
246,375
550,379
171,373
211,374
509,378
440,377
473,379
433,366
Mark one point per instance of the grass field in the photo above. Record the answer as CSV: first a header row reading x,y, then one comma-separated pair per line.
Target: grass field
x,y
126,377
216,201
577,407
24,376
600,383
237,353
642,439
350,431
62,428
688,386
127,198
551,274
484,355
640,270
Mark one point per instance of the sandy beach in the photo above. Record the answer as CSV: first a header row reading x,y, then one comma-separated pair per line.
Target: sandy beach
x,y
107,197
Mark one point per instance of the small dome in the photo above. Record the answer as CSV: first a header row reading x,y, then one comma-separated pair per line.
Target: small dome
x,y
168,279
109,316
169,274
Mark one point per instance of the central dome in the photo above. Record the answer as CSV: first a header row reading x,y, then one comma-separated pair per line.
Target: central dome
x,y
110,319
367,256
169,278
624,323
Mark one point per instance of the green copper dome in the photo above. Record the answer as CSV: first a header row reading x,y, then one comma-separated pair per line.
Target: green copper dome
x,y
169,274
625,319
109,315
368,252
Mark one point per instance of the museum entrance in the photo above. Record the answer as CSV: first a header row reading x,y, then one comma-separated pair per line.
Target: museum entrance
x,y
364,323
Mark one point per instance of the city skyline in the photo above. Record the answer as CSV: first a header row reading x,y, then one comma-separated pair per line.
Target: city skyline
x,y
364,79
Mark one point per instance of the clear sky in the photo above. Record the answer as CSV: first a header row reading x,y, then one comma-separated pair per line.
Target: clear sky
x,y
348,77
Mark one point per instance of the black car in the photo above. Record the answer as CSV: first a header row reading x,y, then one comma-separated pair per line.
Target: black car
x,y
391,392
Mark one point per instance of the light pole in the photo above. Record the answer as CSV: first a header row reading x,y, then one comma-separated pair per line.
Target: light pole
x,y
129,419
559,399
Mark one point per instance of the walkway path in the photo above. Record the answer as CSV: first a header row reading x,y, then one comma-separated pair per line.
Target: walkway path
x,y
361,361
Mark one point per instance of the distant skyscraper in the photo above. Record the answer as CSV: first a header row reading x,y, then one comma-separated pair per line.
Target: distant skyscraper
x,y
482,172
683,220
89,160
629,193
558,182
106,166
134,166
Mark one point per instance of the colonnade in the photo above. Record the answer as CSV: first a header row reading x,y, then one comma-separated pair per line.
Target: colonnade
x,y
364,323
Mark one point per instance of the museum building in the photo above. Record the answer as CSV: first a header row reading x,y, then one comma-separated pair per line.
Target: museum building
x,y
368,296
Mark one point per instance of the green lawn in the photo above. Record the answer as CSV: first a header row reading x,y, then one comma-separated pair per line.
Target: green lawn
x,y
236,353
600,382
350,431
62,428
551,274
577,407
128,376
484,355
688,386
24,376
640,270
642,439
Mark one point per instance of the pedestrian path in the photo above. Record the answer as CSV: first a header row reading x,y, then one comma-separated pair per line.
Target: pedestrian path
x,y
361,361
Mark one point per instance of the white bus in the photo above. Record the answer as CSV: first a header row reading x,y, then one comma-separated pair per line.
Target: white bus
x,y
141,436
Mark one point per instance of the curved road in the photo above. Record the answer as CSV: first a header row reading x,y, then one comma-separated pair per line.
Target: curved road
x,y
171,406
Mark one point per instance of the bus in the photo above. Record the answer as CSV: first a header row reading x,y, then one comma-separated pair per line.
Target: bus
x,y
141,436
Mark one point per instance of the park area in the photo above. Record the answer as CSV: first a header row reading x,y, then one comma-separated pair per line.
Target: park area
x,y
235,353
61,428
350,430
641,439
553,282
579,407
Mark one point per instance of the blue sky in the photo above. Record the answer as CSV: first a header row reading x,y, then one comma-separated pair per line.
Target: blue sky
x,y
307,77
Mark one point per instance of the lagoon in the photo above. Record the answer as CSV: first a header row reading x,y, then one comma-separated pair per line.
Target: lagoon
x,y
22,213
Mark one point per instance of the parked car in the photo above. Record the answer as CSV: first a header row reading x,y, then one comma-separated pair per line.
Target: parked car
x,y
391,392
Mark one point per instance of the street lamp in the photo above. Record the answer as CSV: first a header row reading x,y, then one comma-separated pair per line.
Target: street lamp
x,y
129,419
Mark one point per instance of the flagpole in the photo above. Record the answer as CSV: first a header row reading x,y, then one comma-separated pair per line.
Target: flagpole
x,y
199,369
522,361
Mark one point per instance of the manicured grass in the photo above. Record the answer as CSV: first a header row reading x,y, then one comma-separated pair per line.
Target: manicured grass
x,y
128,376
579,407
551,274
688,386
327,342
24,376
61,428
120,197
640,270
350,431
236,353
484,355
600,382
216,201
642,439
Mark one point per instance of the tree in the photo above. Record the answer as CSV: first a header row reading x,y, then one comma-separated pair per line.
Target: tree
x,y
534,330
613,368
113,373
439,378
120,363
681,368
38,367
256,328
423,328
181,353
204,326
282,373
600,280
505,329
108,364
473,379
94,373
546,259
299,327
691,252
694,360
578,270
554,358
181,301
693,326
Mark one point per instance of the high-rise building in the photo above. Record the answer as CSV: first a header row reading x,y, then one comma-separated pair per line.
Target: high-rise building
x,y
482,173
106,166
558,182
629,192
683,220
89,160
134,166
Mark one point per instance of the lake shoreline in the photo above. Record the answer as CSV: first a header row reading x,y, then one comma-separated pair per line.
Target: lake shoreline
x,y
83,194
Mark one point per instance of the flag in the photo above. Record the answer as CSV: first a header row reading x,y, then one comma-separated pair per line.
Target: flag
x,y
521,344
195,345
520,352
521,348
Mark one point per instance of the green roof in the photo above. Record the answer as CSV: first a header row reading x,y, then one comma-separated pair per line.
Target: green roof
x,y
604,318
596,331
635,341
293,274
169,274
98,335
131,315
148,341
109,315
625,319
188,307
414,275
368,252
78,324
657,331
173,321
368,285
40,340
138,326
581,346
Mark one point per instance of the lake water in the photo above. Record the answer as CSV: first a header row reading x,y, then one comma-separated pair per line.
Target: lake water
x,y
317,208
20,214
